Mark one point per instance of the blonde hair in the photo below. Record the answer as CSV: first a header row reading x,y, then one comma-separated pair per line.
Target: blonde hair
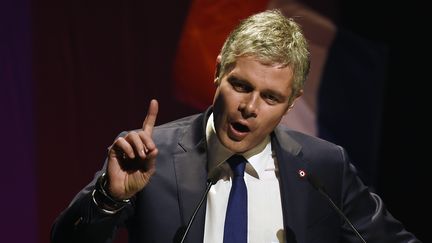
x,y
272,39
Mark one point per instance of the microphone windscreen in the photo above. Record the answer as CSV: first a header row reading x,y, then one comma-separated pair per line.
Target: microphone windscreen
x,y
214,175
315,182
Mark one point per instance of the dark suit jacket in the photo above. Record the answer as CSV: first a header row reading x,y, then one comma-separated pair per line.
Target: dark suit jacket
x,y
168,201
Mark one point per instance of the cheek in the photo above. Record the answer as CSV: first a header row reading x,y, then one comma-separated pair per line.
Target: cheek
x,y
217,103
219,111
271,120
224,100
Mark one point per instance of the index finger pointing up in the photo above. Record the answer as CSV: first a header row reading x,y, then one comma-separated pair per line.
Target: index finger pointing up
x,y
150,119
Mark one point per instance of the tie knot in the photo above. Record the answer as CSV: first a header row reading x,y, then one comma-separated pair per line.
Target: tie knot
x,y
237,164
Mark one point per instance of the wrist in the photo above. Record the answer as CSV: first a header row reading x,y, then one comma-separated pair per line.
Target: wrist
x,y
103,200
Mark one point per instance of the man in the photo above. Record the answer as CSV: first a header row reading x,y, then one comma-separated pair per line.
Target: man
x,y
154,177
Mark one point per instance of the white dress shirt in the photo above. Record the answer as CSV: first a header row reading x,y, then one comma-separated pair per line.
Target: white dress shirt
x,y
265,220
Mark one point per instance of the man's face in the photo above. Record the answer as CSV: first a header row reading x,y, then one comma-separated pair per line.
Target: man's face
x,y
249,102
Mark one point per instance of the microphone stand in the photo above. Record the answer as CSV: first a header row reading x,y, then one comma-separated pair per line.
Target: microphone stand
x,y
318,186
183,231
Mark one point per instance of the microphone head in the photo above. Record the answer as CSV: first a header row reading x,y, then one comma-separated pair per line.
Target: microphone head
x,y
214,175
315,182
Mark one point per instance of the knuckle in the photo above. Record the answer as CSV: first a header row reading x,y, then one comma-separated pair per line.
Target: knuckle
x,y
131,134
144,135
118,141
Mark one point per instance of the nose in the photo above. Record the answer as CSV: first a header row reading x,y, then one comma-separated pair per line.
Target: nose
x,y
249,106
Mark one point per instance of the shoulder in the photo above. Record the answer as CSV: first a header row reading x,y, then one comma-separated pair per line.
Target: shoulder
x,y
325,160
187,130
173,129
177,124
316,153
305,142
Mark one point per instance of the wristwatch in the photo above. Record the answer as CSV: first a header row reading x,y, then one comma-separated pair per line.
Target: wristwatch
x,y
105,202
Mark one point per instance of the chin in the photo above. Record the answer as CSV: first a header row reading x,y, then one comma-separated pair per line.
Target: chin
x,y
235,146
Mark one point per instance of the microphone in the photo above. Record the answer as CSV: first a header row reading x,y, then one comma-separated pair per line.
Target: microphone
x,y
320,188
183,230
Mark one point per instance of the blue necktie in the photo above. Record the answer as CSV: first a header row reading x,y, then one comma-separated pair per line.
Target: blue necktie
x,y
235,230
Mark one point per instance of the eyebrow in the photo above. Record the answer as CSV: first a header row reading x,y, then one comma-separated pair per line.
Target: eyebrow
x,y
276,93
281,97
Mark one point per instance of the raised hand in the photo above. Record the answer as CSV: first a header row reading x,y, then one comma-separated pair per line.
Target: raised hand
x,y
131,159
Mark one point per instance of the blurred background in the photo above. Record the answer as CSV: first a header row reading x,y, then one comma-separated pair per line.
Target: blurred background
x,y
76,73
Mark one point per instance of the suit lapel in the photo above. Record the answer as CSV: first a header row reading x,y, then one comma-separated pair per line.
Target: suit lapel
x,y
191,175
294,188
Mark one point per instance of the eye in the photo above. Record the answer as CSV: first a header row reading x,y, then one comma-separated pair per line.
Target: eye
x,y
239,85
271,99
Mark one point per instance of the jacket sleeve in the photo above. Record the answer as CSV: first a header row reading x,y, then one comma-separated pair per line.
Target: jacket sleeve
x,y
83,221
367,211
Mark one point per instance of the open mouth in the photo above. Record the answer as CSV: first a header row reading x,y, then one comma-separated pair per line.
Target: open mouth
x,y
240,127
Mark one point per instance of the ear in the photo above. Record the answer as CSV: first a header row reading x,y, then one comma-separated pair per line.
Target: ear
x,y
299,93
217,70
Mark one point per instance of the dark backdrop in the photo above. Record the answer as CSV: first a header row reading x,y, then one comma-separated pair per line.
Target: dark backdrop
x,y
76,73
